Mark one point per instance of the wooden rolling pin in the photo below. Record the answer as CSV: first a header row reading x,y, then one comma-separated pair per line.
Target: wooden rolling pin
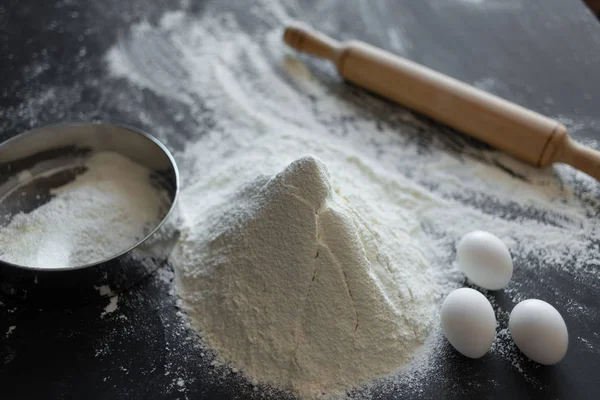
x,y
523,133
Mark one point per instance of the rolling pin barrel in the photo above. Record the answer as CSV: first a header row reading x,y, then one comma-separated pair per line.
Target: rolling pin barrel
x,y
516,130
504,125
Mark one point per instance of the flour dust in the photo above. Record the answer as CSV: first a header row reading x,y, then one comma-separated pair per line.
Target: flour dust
x,y
255,107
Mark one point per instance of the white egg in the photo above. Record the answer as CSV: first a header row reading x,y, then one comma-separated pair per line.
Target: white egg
x,y
485,260
539,331
468,322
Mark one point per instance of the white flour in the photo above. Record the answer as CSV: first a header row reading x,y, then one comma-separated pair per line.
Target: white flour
x,y
102,212
301,282
111,307
259,107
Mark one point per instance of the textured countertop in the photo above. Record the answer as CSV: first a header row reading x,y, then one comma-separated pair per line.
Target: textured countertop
x,y
60,343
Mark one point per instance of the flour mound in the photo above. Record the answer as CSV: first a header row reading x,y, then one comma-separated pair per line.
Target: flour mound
x,y
290,285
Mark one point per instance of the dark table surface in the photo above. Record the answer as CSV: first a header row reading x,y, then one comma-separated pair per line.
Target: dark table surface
x,y
544,55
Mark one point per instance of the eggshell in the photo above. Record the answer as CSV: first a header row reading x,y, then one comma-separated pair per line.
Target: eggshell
x,y
468,322
539,331
485,260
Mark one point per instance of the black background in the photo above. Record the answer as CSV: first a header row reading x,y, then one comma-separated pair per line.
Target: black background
x,y
544,55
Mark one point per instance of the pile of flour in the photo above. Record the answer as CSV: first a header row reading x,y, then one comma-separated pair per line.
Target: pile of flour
x,y
299,286
102,212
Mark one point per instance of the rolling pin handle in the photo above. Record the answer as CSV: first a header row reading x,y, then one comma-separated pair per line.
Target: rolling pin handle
x,y
579,156
304,39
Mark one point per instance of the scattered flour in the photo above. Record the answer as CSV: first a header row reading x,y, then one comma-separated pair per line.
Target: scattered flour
x,y
260,93
102,212
255,108
104,290
10,330
231,87
112,306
